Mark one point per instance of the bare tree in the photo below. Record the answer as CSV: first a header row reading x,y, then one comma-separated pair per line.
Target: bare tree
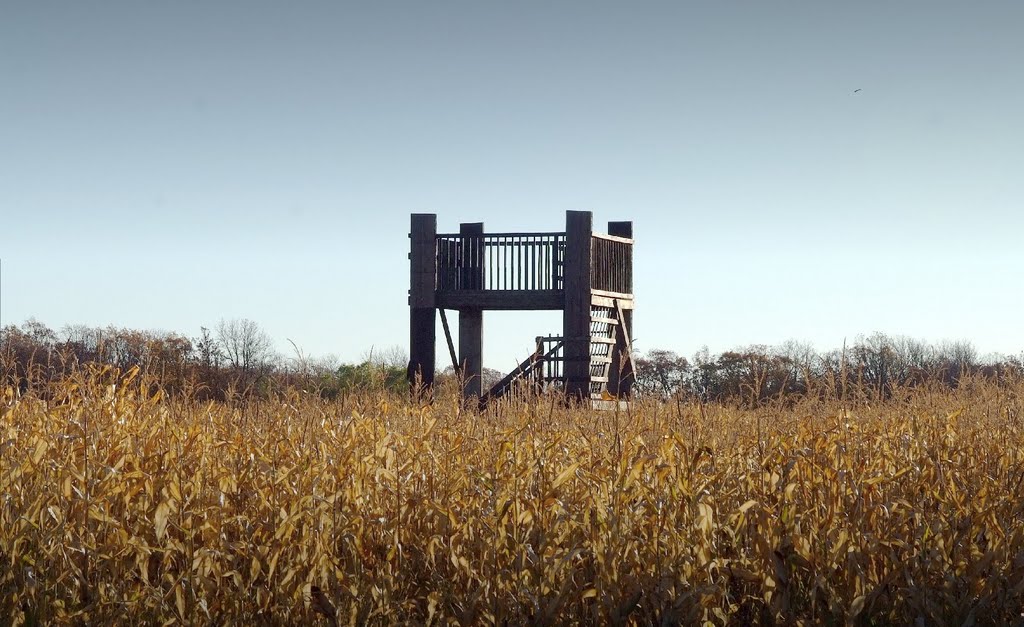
x,y
800,358
391,357
246,347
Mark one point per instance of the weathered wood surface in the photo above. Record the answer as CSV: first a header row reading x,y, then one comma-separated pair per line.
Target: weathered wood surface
x,y
526,370
599,300
612,264
622,368
613,238
586,275
456,366
524,300
422,259
471,320
422,314
576,315
500,261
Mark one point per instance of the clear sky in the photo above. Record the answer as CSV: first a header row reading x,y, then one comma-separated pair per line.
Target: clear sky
x,y
167,164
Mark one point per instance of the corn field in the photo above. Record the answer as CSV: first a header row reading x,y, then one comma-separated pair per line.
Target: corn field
x,y
122,506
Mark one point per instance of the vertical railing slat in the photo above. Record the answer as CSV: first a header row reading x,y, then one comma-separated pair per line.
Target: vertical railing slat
x,y
520,262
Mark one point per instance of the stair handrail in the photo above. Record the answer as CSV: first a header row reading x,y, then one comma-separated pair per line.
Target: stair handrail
x,y
500,388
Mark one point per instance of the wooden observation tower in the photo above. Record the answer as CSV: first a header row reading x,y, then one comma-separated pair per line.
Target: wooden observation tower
x,y
586,275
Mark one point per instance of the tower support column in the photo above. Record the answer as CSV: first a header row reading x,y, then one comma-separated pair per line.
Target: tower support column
x,y
422,314
471,351
471,320
576,315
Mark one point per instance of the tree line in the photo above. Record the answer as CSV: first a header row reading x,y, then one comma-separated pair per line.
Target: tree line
x,y
233,359
236,358
872,366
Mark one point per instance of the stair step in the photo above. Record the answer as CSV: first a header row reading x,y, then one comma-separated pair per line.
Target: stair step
x,y
604,320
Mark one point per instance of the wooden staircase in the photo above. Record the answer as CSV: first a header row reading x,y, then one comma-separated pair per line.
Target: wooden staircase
x,y
608,330
532,369
544,367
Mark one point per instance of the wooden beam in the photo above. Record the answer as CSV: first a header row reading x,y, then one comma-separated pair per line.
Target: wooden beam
x,y
471,320
623,368
422,331
502,300
472,261
605,301
471,351
576,315
616,295
451,345
510,234
422,259
621,229
613,238
422,320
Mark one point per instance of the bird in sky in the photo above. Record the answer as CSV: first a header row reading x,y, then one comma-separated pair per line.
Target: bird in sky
x,y
856,90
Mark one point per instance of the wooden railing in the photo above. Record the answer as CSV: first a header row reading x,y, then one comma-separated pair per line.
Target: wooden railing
x,y
541,369
500,261
550,369
611,263
528,261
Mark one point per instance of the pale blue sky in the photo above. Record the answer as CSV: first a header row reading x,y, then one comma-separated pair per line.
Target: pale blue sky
x,y
164,165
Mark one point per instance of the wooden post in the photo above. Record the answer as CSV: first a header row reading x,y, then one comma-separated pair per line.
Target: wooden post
x,y
471,321
576,315
620,376
422,314
621,229
540,374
